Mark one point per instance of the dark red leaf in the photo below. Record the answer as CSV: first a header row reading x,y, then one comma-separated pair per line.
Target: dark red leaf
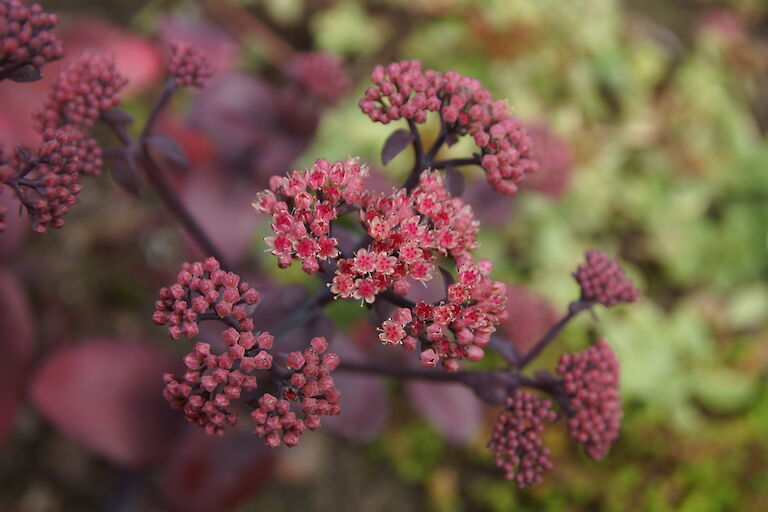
x,y
395,144
453,409
107,396
16,333
126,173
224,211
530,316
207,473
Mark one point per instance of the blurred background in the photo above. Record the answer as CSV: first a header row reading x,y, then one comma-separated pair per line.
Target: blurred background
x,y
649,119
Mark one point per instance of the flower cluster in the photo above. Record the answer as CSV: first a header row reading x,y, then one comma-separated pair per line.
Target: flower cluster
x,y
308,383
321,74
409,232
591,381
84,89
48,183
403,90
187,66
26,37
603,280
302,206
516,441
457,329
204,290
212,382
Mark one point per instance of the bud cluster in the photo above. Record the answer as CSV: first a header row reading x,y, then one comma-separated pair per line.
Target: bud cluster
x,y
204,289
516,440
322,75
403,90
603,280
26,37
309,384
87,87
48,182
187,66
213,382
591,381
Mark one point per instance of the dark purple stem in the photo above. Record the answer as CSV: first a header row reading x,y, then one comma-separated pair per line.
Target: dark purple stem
x,y
158,180
573,309
442,164
399,371
162,102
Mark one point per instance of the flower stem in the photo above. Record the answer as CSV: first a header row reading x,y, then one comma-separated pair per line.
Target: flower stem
x,y
399,372
171,201
573,309
442,164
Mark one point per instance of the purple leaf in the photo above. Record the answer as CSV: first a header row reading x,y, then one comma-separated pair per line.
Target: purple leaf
x,y
453,409
107,396
125,172
165,146
364,398
118,116
16,328
215,472
25,73
395,144
222,209
530,316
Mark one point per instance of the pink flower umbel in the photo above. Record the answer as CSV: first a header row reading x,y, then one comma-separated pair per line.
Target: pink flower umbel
x,y
591,381
516,441
603,280
302,206
403,90
26,40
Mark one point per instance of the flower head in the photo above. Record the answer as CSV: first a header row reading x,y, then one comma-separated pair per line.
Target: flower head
x,y
403,90
603,280
309,385
87,87
303,204
26,38
591,381
516,441
213,381
187,66
47,182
